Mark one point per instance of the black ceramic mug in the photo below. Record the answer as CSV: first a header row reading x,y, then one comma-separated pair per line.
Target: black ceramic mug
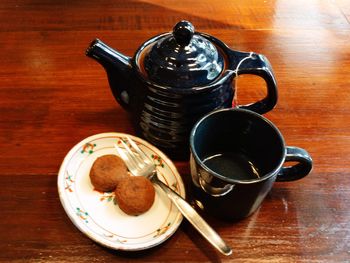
x,y
236,156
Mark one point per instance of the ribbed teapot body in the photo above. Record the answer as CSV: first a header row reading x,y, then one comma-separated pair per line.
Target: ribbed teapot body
x,y
165,118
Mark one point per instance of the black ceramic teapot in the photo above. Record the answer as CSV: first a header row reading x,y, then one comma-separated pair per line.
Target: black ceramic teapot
x,y
175,78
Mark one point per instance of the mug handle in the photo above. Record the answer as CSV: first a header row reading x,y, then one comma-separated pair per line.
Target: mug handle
x,y
298,170
257,64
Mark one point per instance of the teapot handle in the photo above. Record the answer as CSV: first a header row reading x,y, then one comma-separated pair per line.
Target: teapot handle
x,y
256,64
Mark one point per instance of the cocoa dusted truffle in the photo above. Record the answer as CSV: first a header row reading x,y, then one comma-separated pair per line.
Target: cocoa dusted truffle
x,y
135,195
107,171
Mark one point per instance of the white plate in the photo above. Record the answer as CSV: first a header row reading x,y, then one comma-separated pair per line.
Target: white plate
x,y
96,214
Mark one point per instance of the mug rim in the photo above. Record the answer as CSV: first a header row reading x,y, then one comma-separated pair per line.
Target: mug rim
x,y
224,178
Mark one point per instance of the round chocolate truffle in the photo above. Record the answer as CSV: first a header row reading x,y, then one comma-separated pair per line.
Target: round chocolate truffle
x,y
135,195
107,171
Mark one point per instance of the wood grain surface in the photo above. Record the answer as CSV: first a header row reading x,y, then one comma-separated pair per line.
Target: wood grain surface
x,y
52,96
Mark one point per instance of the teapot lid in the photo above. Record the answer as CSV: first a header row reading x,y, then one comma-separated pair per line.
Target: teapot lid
x,y
183,59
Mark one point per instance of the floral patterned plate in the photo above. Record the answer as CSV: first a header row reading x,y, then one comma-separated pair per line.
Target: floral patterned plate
x,y
98,216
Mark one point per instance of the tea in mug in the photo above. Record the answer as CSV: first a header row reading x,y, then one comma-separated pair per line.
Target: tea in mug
x,y
233,165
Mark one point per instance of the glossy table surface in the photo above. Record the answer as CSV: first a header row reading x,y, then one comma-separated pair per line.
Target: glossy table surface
x,y
52,96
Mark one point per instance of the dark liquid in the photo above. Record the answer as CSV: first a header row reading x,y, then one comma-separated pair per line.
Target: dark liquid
x,y
232,165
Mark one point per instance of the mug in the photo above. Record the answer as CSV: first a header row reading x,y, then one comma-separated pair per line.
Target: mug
x,y
236,156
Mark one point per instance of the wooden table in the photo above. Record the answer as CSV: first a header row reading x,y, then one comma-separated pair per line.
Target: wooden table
x,y
52,96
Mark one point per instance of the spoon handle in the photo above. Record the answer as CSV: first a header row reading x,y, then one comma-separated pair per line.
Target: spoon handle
x,y
195,219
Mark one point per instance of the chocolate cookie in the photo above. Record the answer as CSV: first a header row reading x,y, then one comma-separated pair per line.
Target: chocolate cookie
x,y
135,195
107,171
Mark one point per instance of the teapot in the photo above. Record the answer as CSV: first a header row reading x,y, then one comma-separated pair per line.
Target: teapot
x,y
175,78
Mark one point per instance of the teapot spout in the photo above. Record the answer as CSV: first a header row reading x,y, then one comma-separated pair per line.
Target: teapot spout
x,y
107,56
118,68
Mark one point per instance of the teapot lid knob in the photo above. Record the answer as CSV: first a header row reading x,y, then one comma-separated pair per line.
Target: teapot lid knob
x,y
183,32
